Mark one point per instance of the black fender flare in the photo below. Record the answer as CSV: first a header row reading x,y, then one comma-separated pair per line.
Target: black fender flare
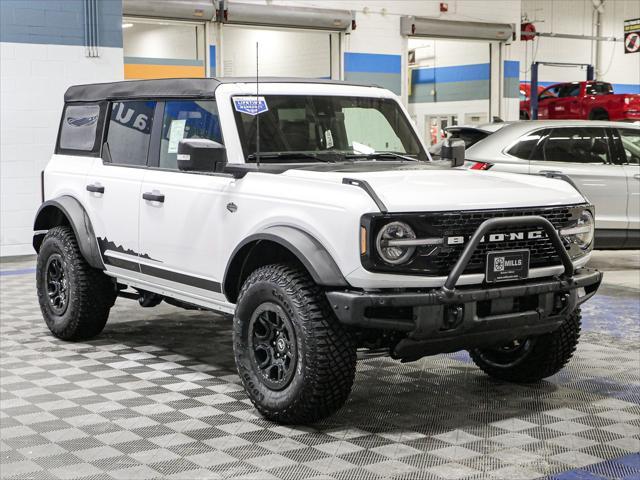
x,y
309,251
48,216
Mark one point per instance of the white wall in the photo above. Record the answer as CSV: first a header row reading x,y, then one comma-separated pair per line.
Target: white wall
x,y
164,40
575,17
33,79
283,53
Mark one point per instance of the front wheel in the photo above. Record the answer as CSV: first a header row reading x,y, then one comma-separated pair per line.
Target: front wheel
x,y
531,359
296,362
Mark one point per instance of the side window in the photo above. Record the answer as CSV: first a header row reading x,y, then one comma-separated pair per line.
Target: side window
x,y
569,90
187,119
129,132
577,145
527,147
551,92
599,89
630,139
79,128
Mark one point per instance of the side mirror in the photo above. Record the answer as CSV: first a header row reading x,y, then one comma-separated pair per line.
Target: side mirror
x,y
453,150
201,155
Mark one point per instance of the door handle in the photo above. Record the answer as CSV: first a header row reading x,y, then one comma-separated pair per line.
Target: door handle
x,y
637,176
548,173
153,196
95,188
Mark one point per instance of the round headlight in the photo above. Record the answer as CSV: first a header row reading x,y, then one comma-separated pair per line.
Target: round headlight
x,y
585,237
389,243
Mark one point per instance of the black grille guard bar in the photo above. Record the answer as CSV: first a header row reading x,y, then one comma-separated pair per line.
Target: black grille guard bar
x,y
493,223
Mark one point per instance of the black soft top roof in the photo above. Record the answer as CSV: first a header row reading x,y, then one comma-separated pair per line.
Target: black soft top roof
x,y
172,88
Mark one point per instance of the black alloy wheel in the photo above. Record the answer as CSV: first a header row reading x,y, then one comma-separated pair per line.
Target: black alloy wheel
x,y
272,342
57,284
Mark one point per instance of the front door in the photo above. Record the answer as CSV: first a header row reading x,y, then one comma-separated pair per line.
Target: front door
x,y
114,182
182,213
583,153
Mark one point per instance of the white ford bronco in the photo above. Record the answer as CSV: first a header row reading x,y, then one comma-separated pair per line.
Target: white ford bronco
x,y
311,212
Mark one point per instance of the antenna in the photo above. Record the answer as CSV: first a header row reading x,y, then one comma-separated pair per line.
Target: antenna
x,y
257,109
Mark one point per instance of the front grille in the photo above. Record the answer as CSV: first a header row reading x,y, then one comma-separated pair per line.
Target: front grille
x,y
440,260
542,252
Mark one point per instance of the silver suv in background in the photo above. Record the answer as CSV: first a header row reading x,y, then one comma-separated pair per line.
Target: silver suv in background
x,y
601,158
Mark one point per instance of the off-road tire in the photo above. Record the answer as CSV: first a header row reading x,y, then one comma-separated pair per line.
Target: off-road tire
x,y
90,293
326,354
547,355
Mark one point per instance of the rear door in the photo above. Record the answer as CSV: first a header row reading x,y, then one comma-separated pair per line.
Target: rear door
x,y
114,182
584,154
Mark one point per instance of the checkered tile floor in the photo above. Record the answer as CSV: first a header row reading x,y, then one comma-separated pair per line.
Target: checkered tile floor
x,y
157,395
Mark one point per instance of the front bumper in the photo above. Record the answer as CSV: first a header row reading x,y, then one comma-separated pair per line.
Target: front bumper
x,y
453,318
438,322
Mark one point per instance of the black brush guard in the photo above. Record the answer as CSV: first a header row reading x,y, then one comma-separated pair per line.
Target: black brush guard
x,y
453,318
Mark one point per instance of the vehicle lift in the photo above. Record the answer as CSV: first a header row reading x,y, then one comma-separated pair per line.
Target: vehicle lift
x,y
534,80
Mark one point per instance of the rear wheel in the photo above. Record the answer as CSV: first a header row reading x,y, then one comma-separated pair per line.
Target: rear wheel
x,y
74,297
599,115
297,363
531,359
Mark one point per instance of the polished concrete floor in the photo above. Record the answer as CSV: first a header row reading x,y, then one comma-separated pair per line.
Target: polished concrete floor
x,y
157,396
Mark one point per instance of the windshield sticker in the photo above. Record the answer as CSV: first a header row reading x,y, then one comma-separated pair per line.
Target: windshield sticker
x,y
362,148
176,133
249,105
328,138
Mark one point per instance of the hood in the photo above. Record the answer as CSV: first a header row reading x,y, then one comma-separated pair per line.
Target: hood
x,y
455,189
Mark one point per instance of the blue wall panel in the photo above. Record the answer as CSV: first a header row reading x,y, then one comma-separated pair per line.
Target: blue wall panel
x,y
375,69
58,22
372,62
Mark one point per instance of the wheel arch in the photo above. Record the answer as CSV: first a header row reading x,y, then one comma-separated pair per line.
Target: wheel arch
x,y
67,210
276,244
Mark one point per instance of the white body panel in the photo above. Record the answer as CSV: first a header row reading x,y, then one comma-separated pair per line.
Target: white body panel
x,y
608,187
633,187
194,233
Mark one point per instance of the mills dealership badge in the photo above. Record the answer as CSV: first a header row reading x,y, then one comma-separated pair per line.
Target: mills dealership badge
x,y
632,36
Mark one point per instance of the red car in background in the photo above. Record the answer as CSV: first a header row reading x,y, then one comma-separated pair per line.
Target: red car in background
x,y
584,101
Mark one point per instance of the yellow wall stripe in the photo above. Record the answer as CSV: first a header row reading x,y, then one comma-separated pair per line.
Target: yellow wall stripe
x,y
141,71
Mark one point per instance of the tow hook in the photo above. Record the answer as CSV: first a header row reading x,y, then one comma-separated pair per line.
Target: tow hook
x,y
453,316
561,302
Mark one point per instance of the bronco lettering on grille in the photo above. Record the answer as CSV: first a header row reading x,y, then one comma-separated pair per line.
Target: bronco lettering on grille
x,y
498,237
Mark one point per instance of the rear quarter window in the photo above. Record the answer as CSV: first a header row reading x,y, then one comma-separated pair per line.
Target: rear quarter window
x,y
80,128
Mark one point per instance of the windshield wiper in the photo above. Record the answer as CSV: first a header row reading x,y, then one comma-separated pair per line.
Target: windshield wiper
x,y
288,156
374,155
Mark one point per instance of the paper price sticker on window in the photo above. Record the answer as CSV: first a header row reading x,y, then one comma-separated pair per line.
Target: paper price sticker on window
x,y
176,133
250,105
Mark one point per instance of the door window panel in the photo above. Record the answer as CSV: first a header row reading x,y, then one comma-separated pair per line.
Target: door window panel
x,y
630,139
599,89
527,146
569,90
577,145
129,132
187,119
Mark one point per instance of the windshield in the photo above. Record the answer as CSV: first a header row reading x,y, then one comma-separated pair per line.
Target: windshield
x,y
304,128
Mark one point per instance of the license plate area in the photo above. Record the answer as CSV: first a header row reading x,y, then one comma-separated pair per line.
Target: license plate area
x,y
507,265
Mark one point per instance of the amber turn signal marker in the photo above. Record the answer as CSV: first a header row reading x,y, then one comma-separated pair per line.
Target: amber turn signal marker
x,y
363,240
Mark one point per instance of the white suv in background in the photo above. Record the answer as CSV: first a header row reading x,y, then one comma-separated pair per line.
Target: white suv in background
x,y
314,216
601,158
